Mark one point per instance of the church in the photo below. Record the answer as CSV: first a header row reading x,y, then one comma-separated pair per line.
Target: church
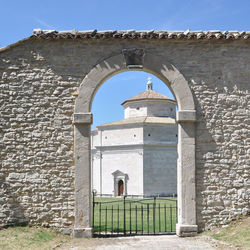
x,y
137,156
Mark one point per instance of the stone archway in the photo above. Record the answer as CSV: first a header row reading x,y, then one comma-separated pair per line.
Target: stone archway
x,y
136,59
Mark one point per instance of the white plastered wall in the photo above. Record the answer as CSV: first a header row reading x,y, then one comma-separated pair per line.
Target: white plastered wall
x,y
129,163
117,149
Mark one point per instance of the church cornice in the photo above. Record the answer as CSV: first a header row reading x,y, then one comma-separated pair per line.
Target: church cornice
x,y
139,121
134,146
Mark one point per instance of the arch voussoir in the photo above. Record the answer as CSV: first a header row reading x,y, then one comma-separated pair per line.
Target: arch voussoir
x,y
94,79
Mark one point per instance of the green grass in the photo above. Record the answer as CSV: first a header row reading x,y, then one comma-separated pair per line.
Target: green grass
x,y
236,233
139,215
30,238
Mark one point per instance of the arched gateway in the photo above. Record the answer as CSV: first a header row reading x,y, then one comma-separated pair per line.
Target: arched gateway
x,y
136,59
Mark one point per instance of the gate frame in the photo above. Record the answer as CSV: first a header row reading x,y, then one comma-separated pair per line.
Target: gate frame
x,y
135,59
126,213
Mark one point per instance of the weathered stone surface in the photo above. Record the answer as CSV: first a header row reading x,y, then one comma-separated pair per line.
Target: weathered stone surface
x,y
186,116
83,118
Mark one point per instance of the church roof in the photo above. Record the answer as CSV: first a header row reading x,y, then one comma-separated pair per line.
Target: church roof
x,y
140,120
148,95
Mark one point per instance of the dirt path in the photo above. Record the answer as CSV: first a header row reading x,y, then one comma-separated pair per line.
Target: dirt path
x,y
139,242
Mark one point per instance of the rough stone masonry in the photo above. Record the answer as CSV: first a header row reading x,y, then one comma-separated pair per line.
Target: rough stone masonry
x,y
39,80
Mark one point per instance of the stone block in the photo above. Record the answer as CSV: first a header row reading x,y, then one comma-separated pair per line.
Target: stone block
x,y
82,118
83,232
186,116
186,230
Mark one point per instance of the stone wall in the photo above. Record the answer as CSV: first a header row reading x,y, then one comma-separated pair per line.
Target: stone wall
x,y
222,154
37,172
37,82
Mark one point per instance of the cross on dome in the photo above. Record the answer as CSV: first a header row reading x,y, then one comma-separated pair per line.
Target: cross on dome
x,y
149,84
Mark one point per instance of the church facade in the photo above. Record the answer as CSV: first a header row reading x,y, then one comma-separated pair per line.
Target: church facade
x,y
137,156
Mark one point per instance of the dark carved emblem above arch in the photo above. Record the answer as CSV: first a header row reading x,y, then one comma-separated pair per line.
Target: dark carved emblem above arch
x,y
133,57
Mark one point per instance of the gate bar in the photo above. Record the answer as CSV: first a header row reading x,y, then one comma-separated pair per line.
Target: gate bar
x,y
176,209
159,217
106,219
118,220
141,219
112,219
148,216
154,213
93,212
100,218
171,218
136,219
124,215
165,215
130,216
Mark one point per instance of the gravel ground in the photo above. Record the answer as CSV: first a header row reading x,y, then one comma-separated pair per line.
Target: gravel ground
x,y
140,242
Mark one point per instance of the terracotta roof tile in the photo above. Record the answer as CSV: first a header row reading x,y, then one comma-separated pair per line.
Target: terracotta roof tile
x,y
140,120
141,34
148,95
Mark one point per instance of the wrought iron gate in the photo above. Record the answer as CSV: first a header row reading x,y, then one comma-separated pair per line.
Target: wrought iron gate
x,y
130,216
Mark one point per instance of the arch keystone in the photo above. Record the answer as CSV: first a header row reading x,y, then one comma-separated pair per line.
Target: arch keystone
x,y
133,58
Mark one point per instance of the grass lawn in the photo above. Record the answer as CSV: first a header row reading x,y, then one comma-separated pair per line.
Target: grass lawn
x,y
30,238
236,233
141,215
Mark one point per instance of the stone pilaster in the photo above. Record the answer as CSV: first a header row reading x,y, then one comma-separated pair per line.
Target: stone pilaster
x,y
82,227
186,174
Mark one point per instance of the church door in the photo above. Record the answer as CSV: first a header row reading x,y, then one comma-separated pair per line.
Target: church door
x,y
120,187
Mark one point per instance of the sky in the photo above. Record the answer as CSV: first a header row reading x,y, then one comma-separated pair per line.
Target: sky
x,y
18,18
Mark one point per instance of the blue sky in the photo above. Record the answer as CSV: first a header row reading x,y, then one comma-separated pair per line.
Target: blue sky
x,y
19,17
